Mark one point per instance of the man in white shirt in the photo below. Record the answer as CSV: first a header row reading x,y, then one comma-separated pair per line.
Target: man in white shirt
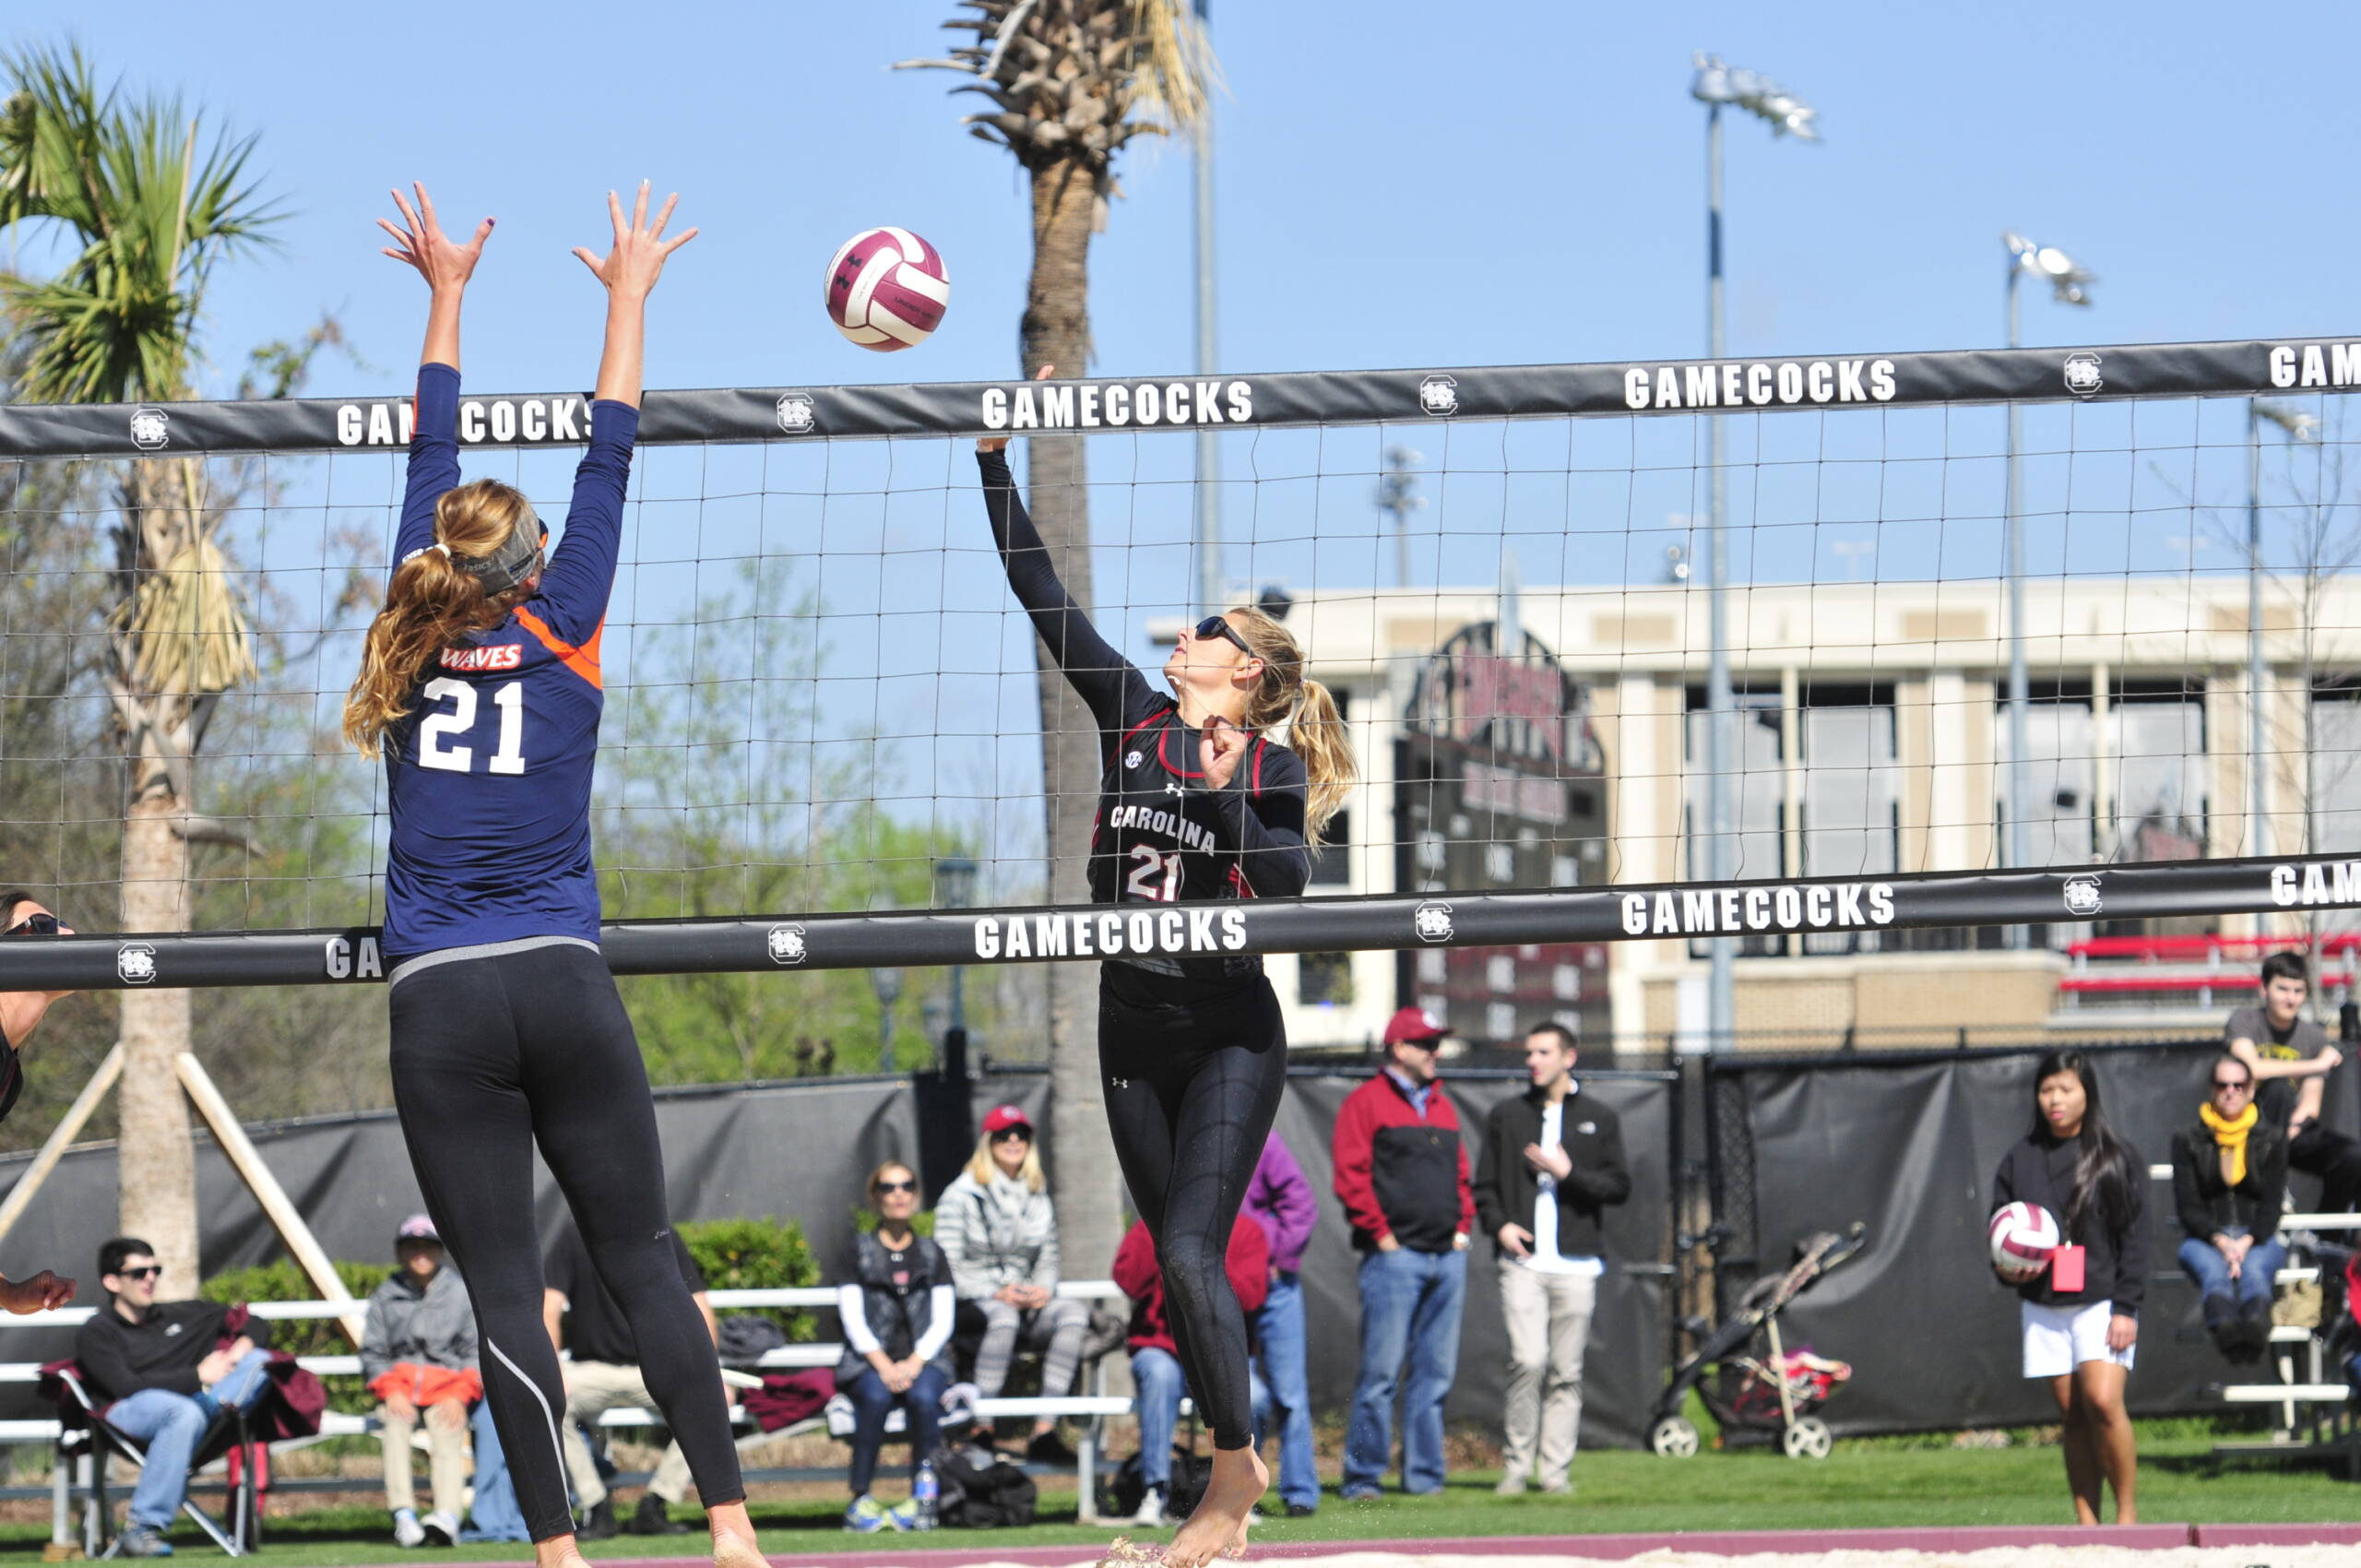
x,y
1552,1164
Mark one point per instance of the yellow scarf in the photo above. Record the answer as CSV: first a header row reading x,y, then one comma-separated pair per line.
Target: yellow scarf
x,y
2230,1132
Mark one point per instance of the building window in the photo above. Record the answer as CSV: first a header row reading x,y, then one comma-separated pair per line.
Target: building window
x,y
2322,770
1759,806
2061,815
1852,795
1324,979
1331,863
2156,735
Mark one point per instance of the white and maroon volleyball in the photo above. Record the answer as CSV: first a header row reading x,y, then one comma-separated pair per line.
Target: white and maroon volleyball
x,y
2023,1236
887,289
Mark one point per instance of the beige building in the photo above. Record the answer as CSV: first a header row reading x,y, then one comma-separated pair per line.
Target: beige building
x,y
1875,741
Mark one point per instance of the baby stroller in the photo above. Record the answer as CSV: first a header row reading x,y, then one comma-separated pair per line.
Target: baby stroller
x,y
1774,1392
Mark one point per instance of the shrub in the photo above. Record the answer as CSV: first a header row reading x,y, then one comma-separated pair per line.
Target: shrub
x,y
756,1255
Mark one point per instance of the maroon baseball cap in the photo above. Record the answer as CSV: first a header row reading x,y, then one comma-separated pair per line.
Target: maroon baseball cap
x,y
1414,1025
417,1227
1003,1117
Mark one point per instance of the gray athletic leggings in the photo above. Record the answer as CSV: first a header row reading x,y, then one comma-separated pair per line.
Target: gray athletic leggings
x,y
1059,1327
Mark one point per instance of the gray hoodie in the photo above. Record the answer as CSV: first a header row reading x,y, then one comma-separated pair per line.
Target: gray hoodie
x,y
434,1327
996,1235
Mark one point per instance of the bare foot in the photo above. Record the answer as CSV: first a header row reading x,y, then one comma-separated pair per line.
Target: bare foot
x,y
733,1538
1218,1522
558,1551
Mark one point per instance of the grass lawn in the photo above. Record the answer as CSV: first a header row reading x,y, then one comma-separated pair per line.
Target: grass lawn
x,y
1863,1484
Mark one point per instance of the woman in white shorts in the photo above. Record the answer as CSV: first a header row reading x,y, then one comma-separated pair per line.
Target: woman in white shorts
x,y
2082,1338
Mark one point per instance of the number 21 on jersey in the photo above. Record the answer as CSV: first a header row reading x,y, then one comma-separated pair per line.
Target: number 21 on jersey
x,y
437,729
1154,863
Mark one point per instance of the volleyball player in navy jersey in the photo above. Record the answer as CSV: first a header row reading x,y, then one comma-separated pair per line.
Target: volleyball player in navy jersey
x,y
1196,801
480,684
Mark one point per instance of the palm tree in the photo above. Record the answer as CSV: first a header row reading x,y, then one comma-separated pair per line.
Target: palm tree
x,y
122,183
1071,82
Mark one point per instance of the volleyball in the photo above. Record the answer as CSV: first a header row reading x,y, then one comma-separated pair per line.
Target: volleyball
x,y
2022,1236
887,289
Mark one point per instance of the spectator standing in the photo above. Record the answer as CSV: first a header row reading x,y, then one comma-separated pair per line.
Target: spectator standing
x,y
159,1371
1279,1199
2291,1059
896,1310
417,1356
1155,1356
22,916
1552,1165
604,1375
997,1228
2229,1179
1402,1176
2081,1334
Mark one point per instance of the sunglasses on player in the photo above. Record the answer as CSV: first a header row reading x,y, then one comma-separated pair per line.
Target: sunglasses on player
x,y
1215,626
33,926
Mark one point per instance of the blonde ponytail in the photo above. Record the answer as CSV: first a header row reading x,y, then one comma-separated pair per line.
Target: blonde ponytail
x,y
1315,726
432,603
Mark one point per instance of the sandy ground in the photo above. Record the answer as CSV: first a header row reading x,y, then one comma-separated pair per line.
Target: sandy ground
x,y
2011,1557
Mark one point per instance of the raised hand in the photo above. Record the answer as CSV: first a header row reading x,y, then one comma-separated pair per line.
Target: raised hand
x,y
421,244
1220,745
994,443
636,258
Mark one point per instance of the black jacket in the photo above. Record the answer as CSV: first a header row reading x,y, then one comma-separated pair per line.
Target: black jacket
x,y
161,1351
1508,1189
2116,1258
2209,1205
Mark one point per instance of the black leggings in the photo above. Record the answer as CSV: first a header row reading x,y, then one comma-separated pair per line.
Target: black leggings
x,y
490,1055
1193,1073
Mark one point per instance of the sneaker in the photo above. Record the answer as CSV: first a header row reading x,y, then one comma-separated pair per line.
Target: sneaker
x,y
1559,1488
1150,1512
652,1518
1302,1510
138,1540
600,1523
407,1531
1361,1494
1511,1485
441,1530
1049,1448
865,1516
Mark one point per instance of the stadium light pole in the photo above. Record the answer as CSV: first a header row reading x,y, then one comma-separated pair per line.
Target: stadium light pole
x,y
2065,282
1398,494
1208,490
1717,84
2297,426
955,888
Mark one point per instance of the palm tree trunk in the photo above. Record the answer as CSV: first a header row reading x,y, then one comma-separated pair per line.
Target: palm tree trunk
x,y
1056,331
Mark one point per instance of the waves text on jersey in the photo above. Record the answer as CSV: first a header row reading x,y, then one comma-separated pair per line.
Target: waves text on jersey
x,y
1110,934
565,419
1723,384
1726,911
1051,405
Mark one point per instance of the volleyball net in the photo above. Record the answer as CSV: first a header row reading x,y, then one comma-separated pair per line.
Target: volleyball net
x,y
824,744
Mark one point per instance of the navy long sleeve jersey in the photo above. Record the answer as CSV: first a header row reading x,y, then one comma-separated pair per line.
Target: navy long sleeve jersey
x,y
489,774
1162,835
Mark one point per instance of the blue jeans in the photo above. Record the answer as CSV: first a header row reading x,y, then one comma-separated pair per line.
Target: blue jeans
x,y
1287,1389
1159,1387
169,1426
493,1514
873,1402
1410,1306
2203,1262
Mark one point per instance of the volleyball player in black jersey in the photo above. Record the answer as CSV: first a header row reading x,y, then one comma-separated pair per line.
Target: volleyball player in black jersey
x,y
1196,801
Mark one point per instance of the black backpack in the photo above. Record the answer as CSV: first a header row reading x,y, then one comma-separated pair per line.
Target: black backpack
x,y
1191,1473
747,1338
981,1491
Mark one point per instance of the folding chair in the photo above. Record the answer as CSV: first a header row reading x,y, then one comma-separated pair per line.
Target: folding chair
x,y
228,1435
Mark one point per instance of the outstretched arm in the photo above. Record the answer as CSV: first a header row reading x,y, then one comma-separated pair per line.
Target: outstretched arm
x,y
630,270
1103,678
419,242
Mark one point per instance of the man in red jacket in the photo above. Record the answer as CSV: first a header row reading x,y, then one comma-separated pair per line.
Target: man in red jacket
x,y
1155,1358
1402,1176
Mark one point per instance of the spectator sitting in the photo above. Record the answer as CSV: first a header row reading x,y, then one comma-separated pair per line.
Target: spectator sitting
x,y
1402,1176
2229,1179
23,915
418,1355
2291,1060
1280,1198
896,1311
1156,1358
604,1375
1553,1162
159,1373
997,1229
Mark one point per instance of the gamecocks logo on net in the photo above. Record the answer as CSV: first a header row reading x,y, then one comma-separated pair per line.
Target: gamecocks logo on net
x,y
135,962
786,945
795,413
2083,897
2082,376
1438,395
1432,923
150,429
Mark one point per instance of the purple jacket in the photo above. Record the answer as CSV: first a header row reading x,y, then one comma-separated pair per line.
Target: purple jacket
x,y
1281,1198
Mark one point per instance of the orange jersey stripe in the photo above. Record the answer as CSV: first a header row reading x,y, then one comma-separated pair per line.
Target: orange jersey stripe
x,y
582,660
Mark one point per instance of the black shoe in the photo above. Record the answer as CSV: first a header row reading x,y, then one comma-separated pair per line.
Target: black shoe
x,y
600,1523
1302,1510
651,1518
2254,1323
1049,1448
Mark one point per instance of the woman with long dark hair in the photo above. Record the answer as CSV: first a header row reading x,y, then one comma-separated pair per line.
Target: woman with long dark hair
x,y
2080,1333
1197,799
479,684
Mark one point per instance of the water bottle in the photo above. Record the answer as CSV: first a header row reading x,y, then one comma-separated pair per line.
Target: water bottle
x,y
925,1491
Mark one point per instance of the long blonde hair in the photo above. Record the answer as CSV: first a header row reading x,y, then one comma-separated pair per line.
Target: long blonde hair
x,y
432,603
982,1167
1315,728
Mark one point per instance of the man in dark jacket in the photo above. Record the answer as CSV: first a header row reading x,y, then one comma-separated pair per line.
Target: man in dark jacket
x,y
1553,1161
2229,1178
1402,1176
160,1373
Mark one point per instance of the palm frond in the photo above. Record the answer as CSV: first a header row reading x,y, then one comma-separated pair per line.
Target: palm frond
x,y
188,630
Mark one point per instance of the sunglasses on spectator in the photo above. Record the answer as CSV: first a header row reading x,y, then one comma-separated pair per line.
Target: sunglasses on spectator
x,y
1215,626
33,926
883,1187
2239,1084
150,1272
1014,1135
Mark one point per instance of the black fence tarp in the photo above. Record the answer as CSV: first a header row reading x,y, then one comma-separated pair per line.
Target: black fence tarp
x,y
1909,1144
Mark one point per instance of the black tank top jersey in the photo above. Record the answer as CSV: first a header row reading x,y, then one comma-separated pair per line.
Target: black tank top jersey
x,y
1159,838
